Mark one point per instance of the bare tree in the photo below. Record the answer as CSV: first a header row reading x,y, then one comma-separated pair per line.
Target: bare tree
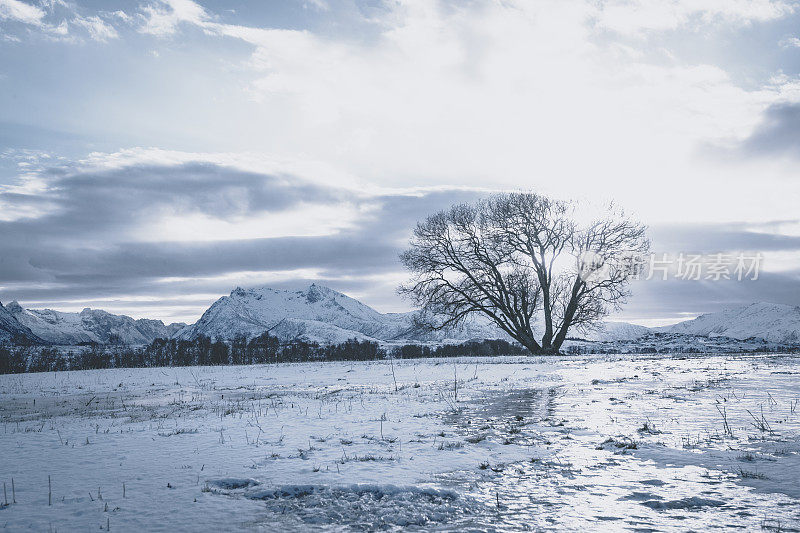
x,y
524,261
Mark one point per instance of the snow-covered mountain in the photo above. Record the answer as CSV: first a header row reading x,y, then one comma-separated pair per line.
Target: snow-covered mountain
x,y
12,331
614,331
315,314
323,315
772,322
90,325
318,314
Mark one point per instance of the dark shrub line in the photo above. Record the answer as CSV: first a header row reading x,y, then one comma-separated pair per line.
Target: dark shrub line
x,y
240,351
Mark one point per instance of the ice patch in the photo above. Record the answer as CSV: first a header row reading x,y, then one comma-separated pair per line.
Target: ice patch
x,y
232,483
640,496
693,502
365,506
653,482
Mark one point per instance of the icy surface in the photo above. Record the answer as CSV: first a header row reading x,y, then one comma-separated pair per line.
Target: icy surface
x,y
671,443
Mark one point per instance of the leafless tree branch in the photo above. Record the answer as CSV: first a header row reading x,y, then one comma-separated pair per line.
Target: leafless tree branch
x,y
513,257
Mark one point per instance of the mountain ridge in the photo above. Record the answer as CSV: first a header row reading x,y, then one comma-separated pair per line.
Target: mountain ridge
x,y
12,331
771,322
89,326
320,314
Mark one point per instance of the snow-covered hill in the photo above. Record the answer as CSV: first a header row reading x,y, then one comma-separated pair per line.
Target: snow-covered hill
x,y
315,314
90,325
772,322
12,331
323,315
614,331
318,314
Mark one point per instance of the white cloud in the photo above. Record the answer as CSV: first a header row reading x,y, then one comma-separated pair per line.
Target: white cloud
x,y
55,19
634,17
310,171
508,95
575,99
790,42
249,278
98,29
122,16
317,5
21,11
162,18
61,30
494,94
302,221
180,222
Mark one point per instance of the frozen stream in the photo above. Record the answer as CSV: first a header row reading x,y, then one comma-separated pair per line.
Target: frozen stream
x,y
636,443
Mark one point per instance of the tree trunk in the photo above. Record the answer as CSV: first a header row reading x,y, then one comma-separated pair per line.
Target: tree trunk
x,y
547,338
569,315
530,343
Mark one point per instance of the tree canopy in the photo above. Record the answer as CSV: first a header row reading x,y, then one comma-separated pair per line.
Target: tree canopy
x,y
527,262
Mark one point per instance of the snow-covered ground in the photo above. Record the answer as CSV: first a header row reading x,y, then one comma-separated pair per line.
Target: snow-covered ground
x,y
614,442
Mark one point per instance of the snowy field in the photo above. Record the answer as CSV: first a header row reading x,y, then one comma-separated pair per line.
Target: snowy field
x,y
614,442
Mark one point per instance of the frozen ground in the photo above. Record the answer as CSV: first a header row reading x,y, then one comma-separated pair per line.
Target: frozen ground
x,y
619,442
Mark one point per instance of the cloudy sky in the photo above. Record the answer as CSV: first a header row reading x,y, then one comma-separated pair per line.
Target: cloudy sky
x,y
156,154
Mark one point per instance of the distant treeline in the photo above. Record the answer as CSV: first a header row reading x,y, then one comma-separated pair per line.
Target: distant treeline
x,y
590,350
240,351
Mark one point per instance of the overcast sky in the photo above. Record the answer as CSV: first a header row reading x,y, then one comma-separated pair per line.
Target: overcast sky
x,y
156,154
